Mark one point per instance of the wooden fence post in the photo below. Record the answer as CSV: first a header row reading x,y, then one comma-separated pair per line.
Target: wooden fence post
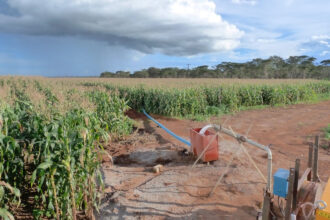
x,y
266,206
289,196
315,160
310,160
295,184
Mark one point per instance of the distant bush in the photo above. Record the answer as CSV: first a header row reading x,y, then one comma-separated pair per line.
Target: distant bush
x,y
274,67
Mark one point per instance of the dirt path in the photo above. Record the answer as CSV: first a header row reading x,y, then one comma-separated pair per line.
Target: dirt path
x,y
180,191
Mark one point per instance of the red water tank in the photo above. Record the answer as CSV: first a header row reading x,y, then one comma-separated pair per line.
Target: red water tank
x,y
200,142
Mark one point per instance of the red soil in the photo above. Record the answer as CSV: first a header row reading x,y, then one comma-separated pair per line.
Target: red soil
x,y
180,191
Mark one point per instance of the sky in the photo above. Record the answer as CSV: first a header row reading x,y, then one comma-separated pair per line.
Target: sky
x,y
87,37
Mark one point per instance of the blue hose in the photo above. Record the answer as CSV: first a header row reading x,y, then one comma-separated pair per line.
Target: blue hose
x,y
168,131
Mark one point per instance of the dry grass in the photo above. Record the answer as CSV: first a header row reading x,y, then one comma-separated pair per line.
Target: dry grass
x,y
183,82
159,82
70,94
4,94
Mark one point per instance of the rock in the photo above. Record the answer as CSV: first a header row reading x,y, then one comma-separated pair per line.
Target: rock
x,y
106,157
164,147
108,190
158,168
114,197
115,211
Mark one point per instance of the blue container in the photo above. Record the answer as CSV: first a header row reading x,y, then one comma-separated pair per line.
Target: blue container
x,y
280,187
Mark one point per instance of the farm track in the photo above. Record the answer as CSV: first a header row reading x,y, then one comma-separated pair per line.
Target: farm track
x,y
134,192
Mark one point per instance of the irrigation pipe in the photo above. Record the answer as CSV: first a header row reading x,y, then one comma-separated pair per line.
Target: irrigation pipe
x,y
167,130
242,138
231,160
250,158
239,137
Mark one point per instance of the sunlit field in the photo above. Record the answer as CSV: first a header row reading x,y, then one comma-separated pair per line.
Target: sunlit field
x,y
52,129
181,82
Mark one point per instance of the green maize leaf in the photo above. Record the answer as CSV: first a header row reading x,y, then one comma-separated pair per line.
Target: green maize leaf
x,y
2,193
6,215
45,165
17,192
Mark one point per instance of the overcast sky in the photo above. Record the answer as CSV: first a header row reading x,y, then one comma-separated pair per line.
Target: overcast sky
x,y
86,37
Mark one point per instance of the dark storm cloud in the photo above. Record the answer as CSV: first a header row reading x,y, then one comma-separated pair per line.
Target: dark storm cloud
x,y
173,27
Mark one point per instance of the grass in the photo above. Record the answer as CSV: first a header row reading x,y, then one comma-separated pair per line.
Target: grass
x,y
326,146
327,133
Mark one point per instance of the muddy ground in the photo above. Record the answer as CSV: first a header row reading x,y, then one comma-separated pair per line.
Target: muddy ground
x,y
180,191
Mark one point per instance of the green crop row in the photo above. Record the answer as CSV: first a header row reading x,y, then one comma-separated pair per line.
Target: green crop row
x,y
55,157
195,101
174,102
110,110
11,163
234,97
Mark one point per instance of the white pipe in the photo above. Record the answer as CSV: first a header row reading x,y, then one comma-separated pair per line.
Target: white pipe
x,y
204,129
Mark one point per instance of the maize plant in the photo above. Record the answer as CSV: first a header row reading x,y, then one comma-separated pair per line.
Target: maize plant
x,y
197,100
56,156
11,164
56,153
110,109
68,164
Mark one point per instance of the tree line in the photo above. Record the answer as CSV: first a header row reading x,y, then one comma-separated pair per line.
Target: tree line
x,y
273,67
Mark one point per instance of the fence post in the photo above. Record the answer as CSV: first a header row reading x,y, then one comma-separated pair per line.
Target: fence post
x,y
289,196
295,184
266,206
310,160
315,160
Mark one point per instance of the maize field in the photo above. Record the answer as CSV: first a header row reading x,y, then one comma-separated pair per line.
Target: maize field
x,y
50,146
53,130
209,100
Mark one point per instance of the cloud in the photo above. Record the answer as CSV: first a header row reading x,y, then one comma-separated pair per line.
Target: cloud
x,y
248,2
321,37
172,27
318,45
280,27
324,53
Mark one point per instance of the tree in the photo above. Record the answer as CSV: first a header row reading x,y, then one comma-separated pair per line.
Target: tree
x,y
154,72
169,72
107,74
325,62
123,74
141,74
273,67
